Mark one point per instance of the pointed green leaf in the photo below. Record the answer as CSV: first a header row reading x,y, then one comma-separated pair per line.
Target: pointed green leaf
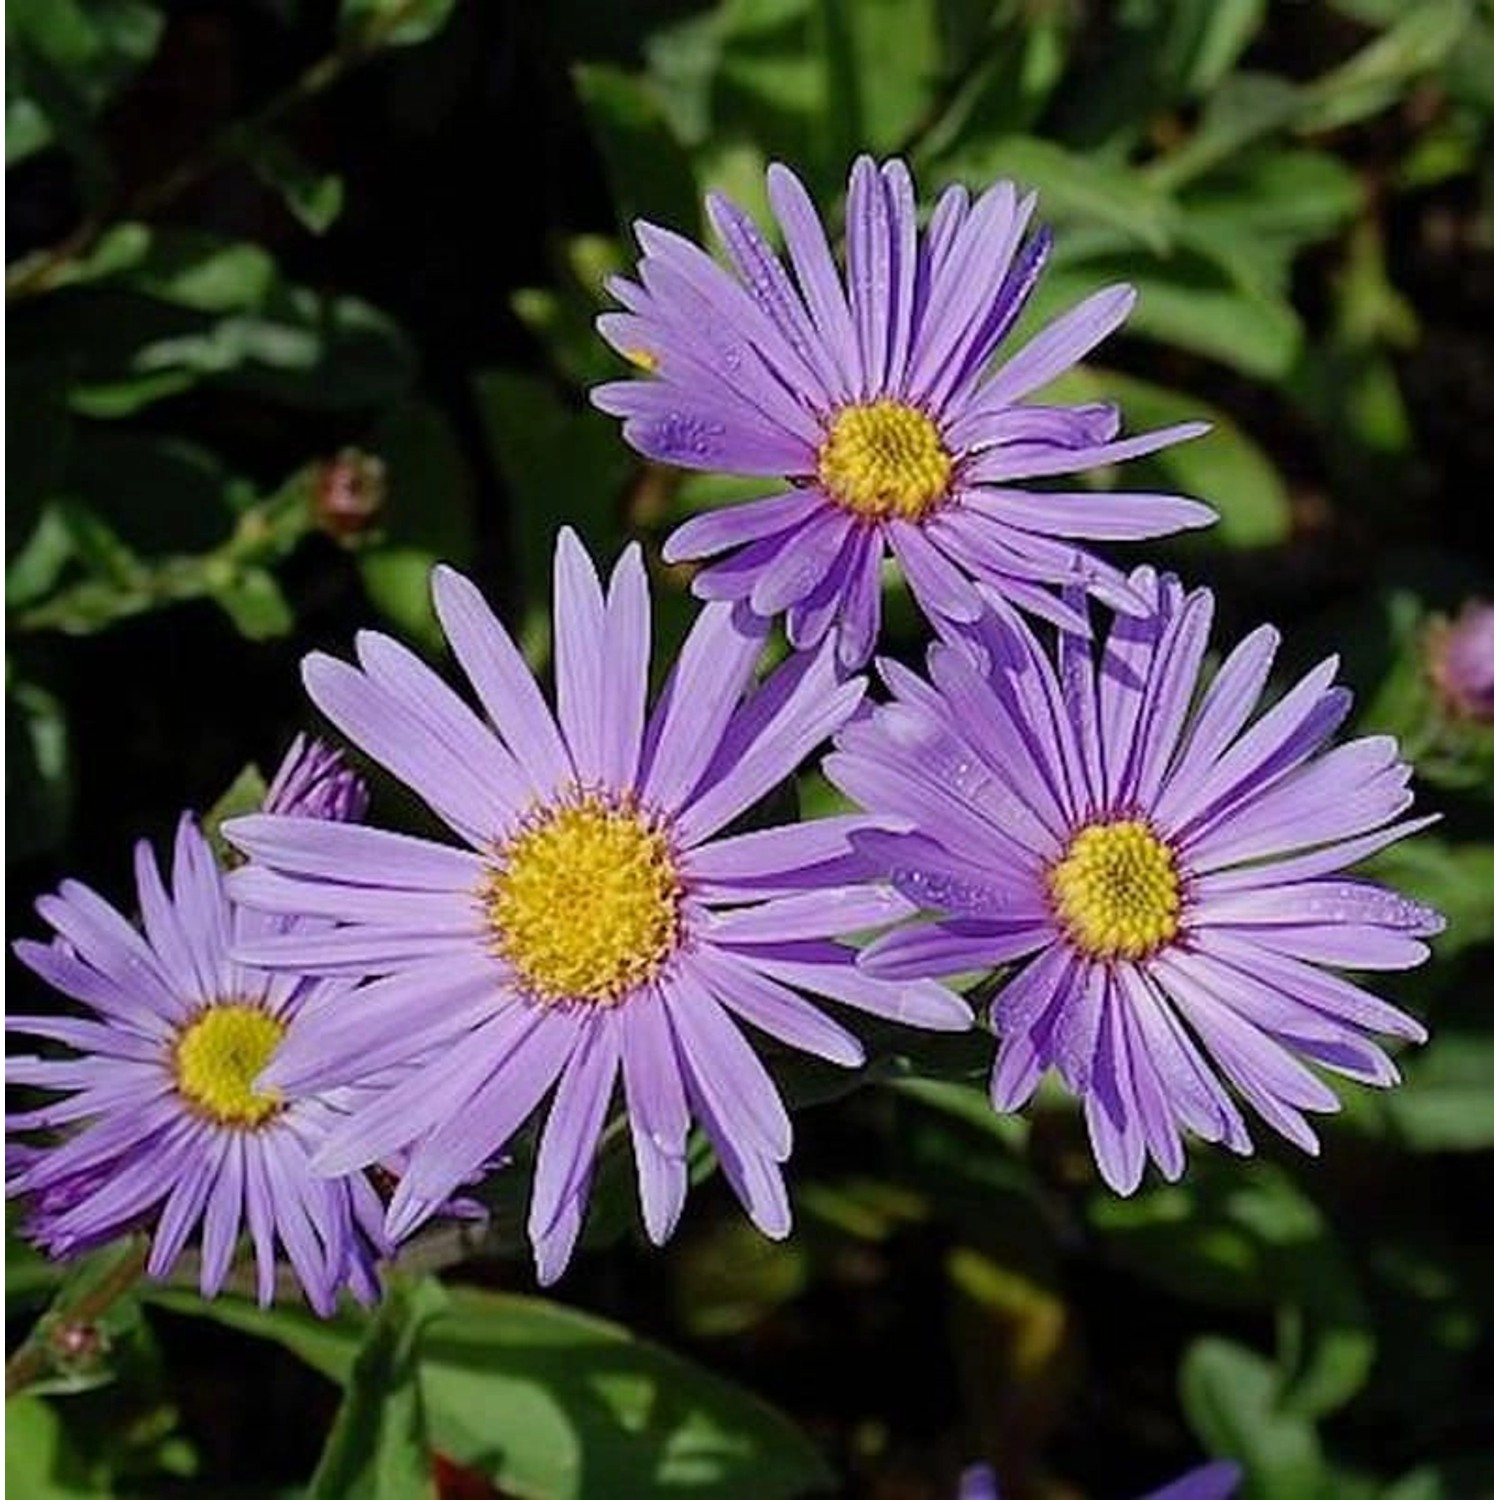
x,y
1229,1394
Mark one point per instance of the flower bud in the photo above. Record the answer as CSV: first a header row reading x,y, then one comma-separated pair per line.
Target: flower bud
x,y
350,493
313,782
1461,662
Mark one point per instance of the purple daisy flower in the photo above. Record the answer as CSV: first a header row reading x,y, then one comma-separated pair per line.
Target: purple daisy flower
x,y
168,1125
871,396
1169,870
597,921
1215,1481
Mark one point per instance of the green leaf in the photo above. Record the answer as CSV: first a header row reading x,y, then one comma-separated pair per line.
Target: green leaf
x,y
1196,306
1250,106
1381,73
1147,59
38,785
772,88
314,198
884,61
1447,1102
1244,109
100,549
398,581
378,1448
1223,467
704,491
861,1207
308,349
1451,1478
1013,1319
39,1464
1254,218
167,310
1006,90
1218,31
392,23
182,267
37,567
552,1404
729,1278
64,61
682,60
737,169
1229,1395
1249,1237
648,172
1072,187
1190,301
26,127
253,600
201,272
243,795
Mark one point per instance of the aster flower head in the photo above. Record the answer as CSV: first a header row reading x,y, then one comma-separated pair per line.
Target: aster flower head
x,y
165,1125
595,921
1168,873
871,395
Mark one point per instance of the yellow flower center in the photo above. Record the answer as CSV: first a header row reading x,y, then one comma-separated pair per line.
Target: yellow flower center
x,y
1116,891
585,903
218,1057
643,359
885,459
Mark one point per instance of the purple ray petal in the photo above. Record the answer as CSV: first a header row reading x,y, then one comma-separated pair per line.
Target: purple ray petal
x,y
502,680
566,1154
658,1113
734,525
734,980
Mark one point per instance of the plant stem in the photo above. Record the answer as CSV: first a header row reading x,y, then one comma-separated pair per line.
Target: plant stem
x,y
35,1357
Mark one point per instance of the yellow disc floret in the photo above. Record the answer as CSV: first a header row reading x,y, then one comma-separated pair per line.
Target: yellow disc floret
x,y
885,459
1116,891
584,905
217,1058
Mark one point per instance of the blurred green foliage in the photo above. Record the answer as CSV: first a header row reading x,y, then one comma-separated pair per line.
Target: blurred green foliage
x,y
300,301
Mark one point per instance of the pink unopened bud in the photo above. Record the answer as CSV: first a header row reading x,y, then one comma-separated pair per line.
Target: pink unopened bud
x,y
1461,662
350,493
75,1345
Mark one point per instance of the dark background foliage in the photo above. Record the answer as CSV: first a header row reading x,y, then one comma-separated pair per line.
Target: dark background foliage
x,y
299,301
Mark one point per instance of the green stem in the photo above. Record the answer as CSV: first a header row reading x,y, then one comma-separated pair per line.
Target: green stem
x,y
36,1356
262,536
